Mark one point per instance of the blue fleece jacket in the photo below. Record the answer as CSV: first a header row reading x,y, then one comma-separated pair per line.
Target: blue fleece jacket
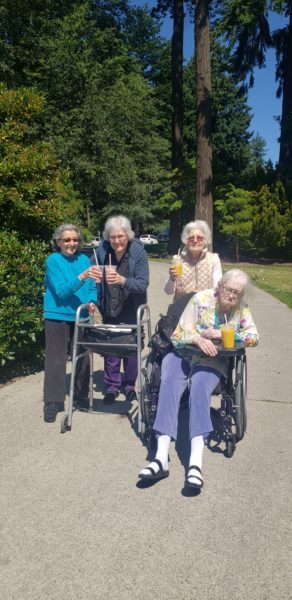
x,y
64,291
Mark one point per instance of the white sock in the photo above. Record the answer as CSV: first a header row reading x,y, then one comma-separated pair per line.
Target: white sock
x,y
196,457
163,442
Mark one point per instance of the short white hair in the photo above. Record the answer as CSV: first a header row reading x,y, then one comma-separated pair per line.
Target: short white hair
x,y
115,223
198,224
58,233
239,276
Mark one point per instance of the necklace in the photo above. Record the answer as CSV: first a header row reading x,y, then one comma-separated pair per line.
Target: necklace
x,y
219,317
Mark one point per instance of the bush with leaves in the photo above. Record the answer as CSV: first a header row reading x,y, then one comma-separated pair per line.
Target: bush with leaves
x,y
236,210
21,301
35,197
272,225
35,194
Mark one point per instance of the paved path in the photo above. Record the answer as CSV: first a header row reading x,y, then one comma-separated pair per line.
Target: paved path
x,y
74,524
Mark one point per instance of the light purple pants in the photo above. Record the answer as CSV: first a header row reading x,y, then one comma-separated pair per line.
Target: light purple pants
x,y
174,379
112,375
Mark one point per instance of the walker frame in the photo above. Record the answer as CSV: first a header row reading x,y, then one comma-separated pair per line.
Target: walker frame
x,y
84,324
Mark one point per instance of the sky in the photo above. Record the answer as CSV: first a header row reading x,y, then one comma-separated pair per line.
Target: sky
x,y
265,107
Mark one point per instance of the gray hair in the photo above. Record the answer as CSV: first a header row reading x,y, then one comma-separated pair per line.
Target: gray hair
x,y
240,276
118,222
198,224
58,234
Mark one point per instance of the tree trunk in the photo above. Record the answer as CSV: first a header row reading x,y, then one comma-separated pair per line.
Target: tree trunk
x,y
88,217
285,158
177,116
237,248
204,199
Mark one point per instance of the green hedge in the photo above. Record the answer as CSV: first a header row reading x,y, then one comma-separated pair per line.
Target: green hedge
x,y
22,267
156,250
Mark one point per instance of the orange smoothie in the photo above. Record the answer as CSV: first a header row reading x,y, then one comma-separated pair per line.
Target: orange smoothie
x,y
227,333
179,268
177,264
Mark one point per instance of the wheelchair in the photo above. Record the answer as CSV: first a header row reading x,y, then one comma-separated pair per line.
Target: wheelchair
x,y
229,420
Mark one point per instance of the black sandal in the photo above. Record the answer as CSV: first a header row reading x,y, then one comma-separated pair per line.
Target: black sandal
x,y
195,486
153,474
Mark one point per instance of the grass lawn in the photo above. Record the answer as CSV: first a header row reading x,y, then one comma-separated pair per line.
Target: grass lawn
x,y
276,279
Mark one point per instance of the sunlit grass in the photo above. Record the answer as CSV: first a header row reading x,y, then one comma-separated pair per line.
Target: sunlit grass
x,y
276,279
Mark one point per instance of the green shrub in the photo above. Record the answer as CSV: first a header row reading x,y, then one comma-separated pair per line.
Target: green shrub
x,y
156,250
22,266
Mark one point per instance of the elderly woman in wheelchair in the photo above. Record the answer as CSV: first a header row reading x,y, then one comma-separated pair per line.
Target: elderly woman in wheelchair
x,y
199,325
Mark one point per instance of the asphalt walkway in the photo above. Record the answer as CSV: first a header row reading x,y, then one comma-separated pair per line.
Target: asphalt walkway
x,y
75,524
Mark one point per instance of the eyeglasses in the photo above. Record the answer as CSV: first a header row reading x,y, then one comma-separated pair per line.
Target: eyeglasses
x,y
67,240
196,238
119,238
230,290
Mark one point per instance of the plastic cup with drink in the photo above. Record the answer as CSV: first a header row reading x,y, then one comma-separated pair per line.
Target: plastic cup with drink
x,y
177,264
227,334
110,274
97,268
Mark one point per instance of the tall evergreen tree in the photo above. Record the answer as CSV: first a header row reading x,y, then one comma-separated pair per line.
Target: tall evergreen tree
x,y
102,114
176,9
282,41
204,171
246,26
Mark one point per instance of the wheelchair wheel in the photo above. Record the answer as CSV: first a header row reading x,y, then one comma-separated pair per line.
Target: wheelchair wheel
x,y
240,416
230,447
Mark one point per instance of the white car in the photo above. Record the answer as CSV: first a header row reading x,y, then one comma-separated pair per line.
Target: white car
x,y
96,241
148,238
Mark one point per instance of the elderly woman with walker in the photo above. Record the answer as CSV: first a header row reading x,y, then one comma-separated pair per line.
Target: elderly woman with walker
x,y
122,291
70,280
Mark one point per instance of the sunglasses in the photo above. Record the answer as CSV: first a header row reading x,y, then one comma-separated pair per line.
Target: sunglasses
x,y
67,240
196,238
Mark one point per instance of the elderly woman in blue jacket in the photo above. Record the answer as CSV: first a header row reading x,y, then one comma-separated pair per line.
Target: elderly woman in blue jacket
x,y
123,290
70,280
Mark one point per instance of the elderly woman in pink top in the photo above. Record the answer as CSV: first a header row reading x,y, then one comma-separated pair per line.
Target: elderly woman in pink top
x,y
201,268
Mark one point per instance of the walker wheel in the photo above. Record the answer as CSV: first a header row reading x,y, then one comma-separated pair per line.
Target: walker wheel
x,y
229,449
64,424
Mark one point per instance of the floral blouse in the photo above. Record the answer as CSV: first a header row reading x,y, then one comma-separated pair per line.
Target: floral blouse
x,y
202,312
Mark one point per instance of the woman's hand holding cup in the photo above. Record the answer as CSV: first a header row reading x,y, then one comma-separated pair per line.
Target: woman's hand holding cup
x,y
173,273
111,275
94,272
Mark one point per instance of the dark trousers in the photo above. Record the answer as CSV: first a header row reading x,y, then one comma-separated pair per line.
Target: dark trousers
x,y
112,375
59,336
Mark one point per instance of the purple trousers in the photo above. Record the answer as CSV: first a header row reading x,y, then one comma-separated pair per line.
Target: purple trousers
x,y
175,373
113,379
